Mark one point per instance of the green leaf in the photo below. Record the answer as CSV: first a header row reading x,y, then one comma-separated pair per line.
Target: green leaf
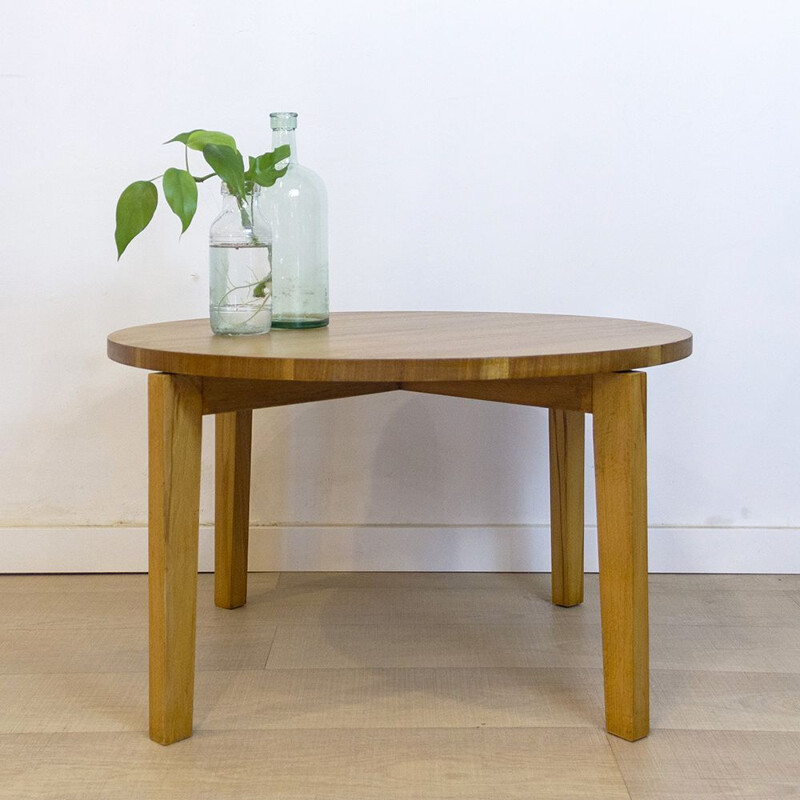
x,y
274,157
269,178
251,168
227,163
135,209
183,138
260,289
198,140
181,193
265,173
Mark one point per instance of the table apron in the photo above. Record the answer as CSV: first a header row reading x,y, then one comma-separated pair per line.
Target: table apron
x,y
569,393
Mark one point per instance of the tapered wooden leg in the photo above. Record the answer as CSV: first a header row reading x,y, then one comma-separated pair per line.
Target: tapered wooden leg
x,y
232,515
567,442
619,405
175,417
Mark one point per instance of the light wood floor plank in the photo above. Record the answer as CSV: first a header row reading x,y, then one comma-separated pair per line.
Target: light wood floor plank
x,y
465,764
409,698
723,607
413,698
120,582
711,765
108,649
399,606
731,648
109,607
746,583
338,646
572,642
710,602
62,584
93,702
81,702
697,700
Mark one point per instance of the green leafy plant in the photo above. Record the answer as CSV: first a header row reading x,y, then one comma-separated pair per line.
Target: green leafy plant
x,y
138,202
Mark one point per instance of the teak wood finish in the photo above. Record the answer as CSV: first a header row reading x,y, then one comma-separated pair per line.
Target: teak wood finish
x,y
233,435
571,365
567,446
174,465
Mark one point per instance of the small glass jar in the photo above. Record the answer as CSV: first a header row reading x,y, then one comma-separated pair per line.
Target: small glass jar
x,y
240,260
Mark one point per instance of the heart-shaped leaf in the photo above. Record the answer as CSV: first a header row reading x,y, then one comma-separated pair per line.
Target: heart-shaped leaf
x,y
183,138
135,209
198,140
180,190
227,163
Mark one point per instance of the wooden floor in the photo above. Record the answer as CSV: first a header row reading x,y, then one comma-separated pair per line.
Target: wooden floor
x,y
381,686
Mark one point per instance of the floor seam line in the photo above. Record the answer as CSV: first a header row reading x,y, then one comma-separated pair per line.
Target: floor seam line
x,y
618,766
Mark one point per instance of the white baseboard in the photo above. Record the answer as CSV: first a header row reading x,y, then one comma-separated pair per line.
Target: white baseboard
x,y
501,548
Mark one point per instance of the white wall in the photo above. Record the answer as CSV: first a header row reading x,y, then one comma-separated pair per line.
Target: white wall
x,y
610,157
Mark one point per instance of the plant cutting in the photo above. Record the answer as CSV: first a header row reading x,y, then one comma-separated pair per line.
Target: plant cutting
x,y
241,238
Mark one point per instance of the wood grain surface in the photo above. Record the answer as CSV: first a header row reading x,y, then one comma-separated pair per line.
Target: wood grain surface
x,y
620,453
567,448
175,424
407,346
233,446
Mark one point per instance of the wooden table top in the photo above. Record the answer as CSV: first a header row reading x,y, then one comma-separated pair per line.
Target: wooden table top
x,y
407,346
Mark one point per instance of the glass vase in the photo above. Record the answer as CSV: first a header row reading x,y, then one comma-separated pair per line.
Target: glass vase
x,y
240,260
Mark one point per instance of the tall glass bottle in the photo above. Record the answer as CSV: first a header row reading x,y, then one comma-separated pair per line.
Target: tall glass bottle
x,y
297,209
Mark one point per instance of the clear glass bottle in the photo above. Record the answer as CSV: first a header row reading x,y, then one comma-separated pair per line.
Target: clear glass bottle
x,y
297,209
240,259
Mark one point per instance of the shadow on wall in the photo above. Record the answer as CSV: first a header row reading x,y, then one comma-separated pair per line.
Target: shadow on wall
x,y
400,459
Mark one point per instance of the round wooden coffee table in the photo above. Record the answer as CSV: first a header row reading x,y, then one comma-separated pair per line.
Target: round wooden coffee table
x,y
571,365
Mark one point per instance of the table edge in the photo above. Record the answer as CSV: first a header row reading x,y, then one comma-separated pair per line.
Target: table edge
x,y
418,369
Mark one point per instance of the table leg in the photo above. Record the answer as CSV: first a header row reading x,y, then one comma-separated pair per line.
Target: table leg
x,y
619,405
175,426
567,437
232,515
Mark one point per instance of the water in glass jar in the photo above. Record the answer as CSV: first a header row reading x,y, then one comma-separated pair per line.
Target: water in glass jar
x,y
241,288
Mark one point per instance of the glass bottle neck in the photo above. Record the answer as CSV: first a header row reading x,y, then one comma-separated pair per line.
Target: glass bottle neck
x,y
280,137
231,203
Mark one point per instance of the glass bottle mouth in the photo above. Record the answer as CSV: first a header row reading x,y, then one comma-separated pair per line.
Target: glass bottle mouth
x,y
283,120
